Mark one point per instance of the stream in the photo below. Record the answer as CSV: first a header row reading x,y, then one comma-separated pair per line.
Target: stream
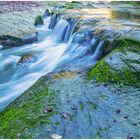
x,y
57,47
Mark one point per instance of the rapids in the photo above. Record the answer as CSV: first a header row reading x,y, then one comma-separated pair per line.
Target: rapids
x,y
53,49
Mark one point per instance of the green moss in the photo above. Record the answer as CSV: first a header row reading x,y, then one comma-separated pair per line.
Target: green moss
x,y
102,72
38,21
94,106
72,5
26,113
134,3
128,44
81,106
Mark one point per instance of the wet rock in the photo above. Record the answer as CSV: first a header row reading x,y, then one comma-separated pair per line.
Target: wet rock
x,y
38,21
26,58
108,48
126,117
83,36
129,136
8,41
47,13
118,111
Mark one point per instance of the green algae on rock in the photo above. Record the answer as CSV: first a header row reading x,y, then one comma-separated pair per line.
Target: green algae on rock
x,y
27,112
130,44
38,21
104,71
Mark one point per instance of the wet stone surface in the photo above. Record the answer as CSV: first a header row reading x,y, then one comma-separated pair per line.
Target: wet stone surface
x,y
88,110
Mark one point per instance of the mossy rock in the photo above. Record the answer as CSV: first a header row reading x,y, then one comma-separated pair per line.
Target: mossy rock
x,y
72,5
26,58
38,21
28,112
130,44
103,72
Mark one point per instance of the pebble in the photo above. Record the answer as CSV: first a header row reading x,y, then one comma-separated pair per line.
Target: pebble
x,y
56,136
118,111
65,116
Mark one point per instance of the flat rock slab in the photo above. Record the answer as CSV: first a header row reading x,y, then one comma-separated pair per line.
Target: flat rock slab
x,y
96,111
18,21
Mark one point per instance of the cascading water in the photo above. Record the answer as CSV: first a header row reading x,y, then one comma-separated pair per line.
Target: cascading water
x,y
59,30
43,57
54,19
69,30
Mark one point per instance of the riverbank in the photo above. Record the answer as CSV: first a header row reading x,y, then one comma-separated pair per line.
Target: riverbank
x,y
90,109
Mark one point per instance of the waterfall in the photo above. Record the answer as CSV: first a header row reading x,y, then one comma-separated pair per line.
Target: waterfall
x,y
99,50
59,30
69,30
63,30
55,48
53,21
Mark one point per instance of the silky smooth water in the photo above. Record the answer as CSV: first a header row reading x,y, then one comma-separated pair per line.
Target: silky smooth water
x,y
16,78
49,53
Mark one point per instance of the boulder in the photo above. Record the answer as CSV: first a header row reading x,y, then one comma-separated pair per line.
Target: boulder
x,y
8,41
38,21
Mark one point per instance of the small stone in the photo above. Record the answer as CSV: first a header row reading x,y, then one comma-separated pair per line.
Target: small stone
x,y
65,116
73,107
129,136
118,111
125,117
56,136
